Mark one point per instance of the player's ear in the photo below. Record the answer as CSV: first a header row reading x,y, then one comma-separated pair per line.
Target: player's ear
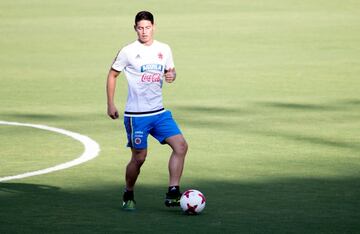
x,y
135,27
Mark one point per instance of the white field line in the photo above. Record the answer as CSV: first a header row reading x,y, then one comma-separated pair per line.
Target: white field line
x,y
92,150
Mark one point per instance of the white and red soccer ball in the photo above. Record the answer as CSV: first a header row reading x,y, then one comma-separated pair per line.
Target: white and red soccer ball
x,y
192,201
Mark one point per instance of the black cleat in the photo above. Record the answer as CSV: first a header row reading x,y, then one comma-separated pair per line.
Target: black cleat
x,y
172,199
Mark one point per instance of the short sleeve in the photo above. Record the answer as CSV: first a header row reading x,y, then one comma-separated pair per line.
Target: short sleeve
x,y
120,61
169,63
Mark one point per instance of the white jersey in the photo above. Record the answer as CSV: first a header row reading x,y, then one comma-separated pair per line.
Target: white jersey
x,y
144,68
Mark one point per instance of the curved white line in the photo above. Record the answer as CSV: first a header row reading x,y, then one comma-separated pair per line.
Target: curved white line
x,y
92,150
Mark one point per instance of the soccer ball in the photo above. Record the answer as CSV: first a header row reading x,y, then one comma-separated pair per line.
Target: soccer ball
x,y
192,201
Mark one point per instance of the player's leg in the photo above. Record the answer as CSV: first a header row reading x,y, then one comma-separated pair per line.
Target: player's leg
x,y
166,131
176,166
177,158
137,132
133,167
132,172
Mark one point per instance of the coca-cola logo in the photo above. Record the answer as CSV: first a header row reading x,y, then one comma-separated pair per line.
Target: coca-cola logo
x,y
150,78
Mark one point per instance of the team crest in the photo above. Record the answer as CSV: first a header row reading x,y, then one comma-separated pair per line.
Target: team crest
x,y
160,55
137,140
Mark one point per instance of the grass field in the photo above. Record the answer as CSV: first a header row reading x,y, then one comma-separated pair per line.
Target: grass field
x,y
267,96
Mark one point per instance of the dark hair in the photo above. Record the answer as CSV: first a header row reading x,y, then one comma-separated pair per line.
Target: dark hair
x,y
144,15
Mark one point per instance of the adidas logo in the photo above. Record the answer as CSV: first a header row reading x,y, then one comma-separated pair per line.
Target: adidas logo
x,y
138,56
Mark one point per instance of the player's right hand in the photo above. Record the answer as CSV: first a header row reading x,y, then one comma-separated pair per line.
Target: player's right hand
x,y
112,112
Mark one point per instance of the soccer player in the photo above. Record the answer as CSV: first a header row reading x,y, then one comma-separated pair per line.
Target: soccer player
x,y
147,63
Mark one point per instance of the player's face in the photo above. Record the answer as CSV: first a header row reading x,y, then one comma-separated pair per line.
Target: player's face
x,y
145,30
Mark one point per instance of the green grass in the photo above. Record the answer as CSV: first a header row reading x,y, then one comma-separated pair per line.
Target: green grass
x,y
267,96
26,149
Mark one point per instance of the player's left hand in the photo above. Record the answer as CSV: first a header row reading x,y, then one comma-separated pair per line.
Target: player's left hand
x,y
170,75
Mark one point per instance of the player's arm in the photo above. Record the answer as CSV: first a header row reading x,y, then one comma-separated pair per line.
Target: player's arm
x,y
170,75
110,90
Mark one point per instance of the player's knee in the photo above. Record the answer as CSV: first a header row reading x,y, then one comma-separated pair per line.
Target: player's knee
x,y
138,156
182,148
138,161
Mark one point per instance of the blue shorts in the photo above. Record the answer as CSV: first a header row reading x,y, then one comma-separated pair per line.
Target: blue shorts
x,y
160,126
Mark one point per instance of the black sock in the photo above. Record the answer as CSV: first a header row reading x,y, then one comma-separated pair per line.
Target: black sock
x,y
128,195
174,189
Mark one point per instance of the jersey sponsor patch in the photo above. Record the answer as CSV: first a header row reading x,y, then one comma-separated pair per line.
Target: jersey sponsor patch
x,y
151,67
